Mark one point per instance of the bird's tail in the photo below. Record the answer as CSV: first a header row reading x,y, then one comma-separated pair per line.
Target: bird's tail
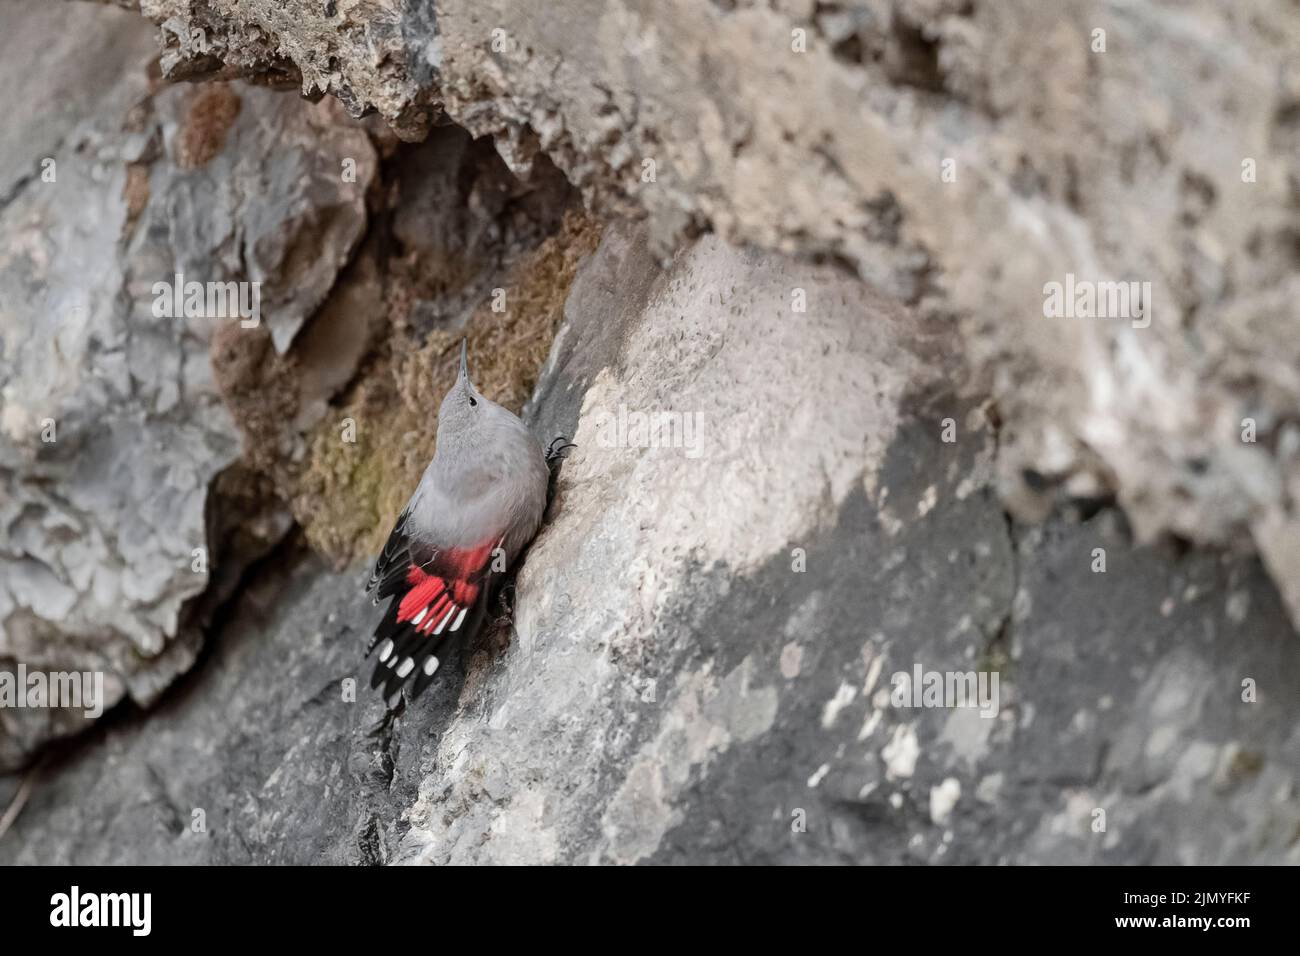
x,y
414,633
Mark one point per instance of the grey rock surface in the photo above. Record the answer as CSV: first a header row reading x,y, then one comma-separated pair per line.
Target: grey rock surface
x,y
869,457
703,645
111,426
959,155
59,77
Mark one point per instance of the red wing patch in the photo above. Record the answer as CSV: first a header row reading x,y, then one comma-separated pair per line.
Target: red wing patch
x,y
439,598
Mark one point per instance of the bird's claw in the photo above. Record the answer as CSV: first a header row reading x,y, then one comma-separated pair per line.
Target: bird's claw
x,y
552,452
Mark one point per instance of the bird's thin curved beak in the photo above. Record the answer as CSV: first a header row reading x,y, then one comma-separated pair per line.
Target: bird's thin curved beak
x,y
464,358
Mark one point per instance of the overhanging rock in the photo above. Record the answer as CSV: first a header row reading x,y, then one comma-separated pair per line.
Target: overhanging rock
x,y
959,155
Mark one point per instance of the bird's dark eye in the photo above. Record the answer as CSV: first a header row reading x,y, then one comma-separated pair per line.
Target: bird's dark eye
x,y
473,401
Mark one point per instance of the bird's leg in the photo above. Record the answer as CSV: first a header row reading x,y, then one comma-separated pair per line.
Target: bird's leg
x,y
500,613
506,596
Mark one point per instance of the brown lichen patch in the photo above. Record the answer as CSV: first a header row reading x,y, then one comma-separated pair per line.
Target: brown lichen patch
x,y
518,339
356,459
259,387
211,114
136,193
350,492
139,121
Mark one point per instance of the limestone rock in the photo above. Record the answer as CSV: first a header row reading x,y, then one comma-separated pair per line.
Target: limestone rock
x,y
112,429
683,685
959,155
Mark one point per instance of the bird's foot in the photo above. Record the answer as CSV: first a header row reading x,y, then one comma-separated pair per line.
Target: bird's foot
x,y
504,617
556,449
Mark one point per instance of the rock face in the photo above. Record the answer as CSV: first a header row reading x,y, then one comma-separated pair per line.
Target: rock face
x,y
960,155
706,637
862,556
112,428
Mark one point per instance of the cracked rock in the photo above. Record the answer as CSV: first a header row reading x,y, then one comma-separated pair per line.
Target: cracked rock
x,y
674,685
960,156
112,430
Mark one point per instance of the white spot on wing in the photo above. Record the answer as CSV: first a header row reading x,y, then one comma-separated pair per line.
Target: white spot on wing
x,y
459,617
408,665
420,617
430,665
385,649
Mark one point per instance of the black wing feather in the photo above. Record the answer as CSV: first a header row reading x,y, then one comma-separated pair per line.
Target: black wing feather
x,y
395,558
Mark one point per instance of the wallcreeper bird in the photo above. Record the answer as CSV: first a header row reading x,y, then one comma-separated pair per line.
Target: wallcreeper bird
x,y
478,504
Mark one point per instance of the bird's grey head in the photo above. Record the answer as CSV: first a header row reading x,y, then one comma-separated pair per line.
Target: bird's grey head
x,y
466,420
